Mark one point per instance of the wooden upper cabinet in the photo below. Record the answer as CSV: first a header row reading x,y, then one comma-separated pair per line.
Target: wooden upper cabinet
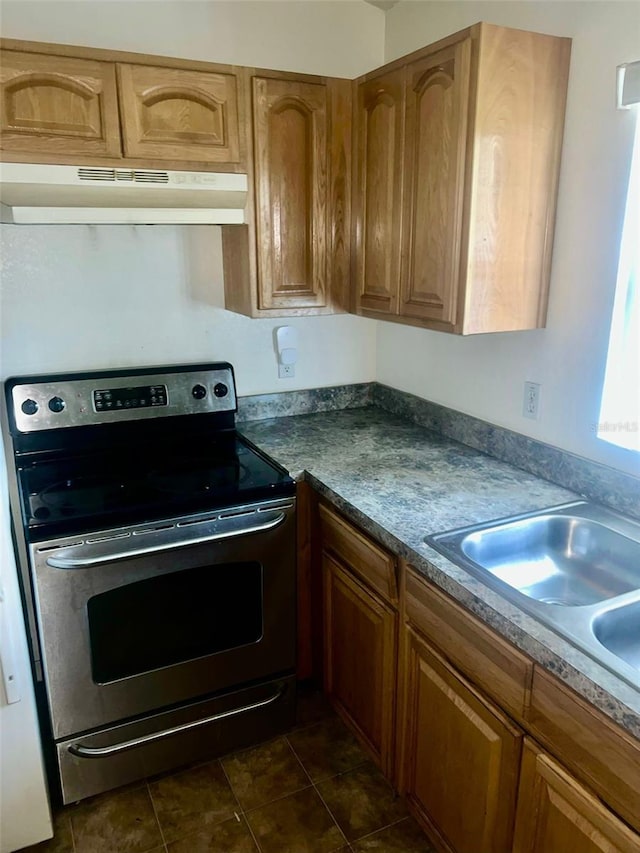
x,y
483,118
290,150
293,258
379,115
176,114
436,128
56,105
555,813
69,109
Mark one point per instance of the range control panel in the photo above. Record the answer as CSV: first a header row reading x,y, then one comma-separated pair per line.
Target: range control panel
x,y
129,398
57,402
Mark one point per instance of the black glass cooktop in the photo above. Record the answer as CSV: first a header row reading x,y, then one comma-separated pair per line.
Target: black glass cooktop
x,y
91,491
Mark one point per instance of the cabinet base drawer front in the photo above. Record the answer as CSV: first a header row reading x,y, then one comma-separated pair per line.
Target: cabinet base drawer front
x,y
556,813
601,754
364,557
485,658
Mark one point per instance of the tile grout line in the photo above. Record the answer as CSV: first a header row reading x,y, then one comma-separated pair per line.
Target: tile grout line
x,y
240,810
243,811
155,814
73,837
298,759
332,816
380,829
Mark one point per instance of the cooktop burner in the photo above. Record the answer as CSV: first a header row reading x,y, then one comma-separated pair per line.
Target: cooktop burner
x,y
69,494
180,478
82,495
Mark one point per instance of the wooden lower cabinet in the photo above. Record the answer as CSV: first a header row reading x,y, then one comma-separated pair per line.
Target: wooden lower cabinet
x,y
557,815
462,757
360,651
395,649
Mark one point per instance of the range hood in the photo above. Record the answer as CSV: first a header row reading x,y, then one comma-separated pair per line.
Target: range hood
x,y
32,193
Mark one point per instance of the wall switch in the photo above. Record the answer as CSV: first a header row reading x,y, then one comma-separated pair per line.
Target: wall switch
x,y
286,371
531,402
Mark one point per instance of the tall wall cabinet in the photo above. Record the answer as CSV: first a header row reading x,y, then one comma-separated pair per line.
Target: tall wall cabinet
x,y
458,153
293,256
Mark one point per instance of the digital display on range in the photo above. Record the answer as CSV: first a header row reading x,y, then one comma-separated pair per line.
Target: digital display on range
x,y
143,397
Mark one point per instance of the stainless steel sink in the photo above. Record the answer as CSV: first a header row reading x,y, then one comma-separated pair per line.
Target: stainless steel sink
x,y
575,567
618,631
558,559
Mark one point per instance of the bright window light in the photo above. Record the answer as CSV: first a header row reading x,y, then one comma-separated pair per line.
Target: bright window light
x,y
620,409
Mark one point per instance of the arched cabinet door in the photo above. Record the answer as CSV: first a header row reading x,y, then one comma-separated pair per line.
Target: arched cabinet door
x,y
291,186
174,114
58,105
436,131
378,192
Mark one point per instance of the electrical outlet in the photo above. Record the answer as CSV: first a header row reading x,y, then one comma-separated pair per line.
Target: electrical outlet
x,y
286,371
531,404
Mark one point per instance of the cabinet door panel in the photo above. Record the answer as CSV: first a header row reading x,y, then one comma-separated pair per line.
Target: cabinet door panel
x,y
378,192
58,105
360,658
462,757
172,114
436,127
291,192
556,814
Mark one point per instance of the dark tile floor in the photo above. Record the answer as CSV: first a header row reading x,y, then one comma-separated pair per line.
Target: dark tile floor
x,y
311,791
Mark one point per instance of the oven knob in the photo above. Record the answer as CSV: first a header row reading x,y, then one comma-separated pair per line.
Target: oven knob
x,y
56,404
29,407
220,389
199,391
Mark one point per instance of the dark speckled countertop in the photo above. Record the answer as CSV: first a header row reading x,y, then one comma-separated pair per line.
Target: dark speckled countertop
x,y
401,482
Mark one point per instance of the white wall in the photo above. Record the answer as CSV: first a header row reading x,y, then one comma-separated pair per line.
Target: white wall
x,y
82,297
342,38
484,375
78,297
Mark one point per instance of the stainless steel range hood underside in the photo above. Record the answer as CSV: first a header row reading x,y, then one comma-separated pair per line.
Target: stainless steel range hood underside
x,y
41,194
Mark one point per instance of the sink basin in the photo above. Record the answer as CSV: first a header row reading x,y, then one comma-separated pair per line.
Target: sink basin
x,y
575,568
619,631
557,559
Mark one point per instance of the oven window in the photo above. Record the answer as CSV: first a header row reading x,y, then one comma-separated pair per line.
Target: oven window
x,y
174,618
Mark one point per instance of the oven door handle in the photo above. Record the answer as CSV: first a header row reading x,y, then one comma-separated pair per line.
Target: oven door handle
x,y
81,751
86,556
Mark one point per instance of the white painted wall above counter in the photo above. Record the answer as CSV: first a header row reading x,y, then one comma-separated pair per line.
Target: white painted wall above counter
x,y
484,375
83,297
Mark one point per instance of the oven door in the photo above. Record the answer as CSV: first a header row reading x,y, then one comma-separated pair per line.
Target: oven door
x,y
135,620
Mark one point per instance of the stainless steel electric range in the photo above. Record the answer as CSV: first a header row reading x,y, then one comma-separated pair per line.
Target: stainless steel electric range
x,y
158,550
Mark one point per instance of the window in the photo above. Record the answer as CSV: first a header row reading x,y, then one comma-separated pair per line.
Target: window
x,y
620,408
